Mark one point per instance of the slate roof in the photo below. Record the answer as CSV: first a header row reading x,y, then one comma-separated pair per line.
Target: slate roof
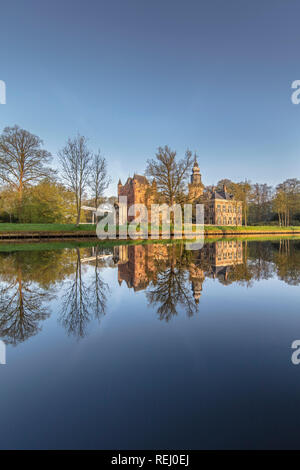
x,y
221,195
141,179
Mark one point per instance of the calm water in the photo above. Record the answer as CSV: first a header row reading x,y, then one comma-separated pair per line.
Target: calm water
x,y
151,346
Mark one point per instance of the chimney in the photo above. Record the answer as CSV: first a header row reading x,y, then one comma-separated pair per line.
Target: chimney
x,y
224,188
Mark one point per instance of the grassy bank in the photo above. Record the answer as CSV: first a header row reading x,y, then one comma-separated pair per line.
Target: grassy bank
x,y
59,245
223,229
72,228
10,228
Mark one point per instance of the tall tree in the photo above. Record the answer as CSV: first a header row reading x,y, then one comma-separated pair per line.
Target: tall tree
x,y
228,183
169,174
260,203
242,192
280,205
99,180
22,159
75,159
287,200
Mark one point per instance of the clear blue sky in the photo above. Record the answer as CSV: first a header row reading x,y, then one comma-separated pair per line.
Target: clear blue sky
x,y
213,75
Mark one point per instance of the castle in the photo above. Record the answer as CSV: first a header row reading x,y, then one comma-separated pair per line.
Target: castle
x,y
138,191
220,207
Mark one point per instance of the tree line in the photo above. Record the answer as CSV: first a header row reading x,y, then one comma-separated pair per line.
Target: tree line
x,y
32,191
264,204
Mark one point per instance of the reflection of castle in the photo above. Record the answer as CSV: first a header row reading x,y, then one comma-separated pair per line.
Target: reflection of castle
x,y
197,277
138,265
223,255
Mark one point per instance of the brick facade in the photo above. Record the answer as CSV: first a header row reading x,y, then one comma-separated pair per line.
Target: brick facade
x,y
220,207
138,190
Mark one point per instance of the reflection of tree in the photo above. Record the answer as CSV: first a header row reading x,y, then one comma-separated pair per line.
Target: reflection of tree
x,y
270,258
21,303
288,262
75,314
98,291
240,273
171,288
83,302
261,261
28,280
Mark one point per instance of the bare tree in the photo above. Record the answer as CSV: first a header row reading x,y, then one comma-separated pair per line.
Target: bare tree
x,y
22,160
98,290
242,192
75,159
76,314
170,175
23,303
99,180
171,289
260,203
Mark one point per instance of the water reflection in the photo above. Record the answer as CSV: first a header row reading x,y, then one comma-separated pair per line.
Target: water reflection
x,y
172,277
22,299
84,301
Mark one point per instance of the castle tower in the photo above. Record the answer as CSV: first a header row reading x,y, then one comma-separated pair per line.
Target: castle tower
x,y
138,190
196,186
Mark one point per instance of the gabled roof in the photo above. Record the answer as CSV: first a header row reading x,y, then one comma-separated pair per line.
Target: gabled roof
x,y
221,195
140,178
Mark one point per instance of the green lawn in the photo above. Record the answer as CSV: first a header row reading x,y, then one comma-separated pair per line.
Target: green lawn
x,y
250,228
9,228
46,227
